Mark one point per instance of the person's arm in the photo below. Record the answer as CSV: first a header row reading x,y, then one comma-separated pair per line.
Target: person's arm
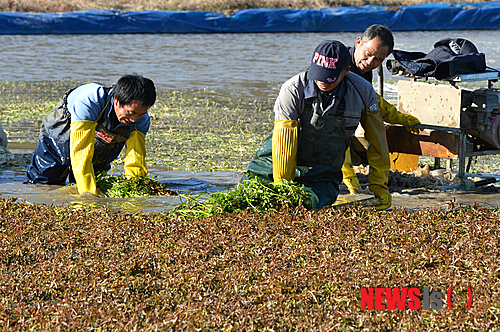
x,y
390,114
349,175
377,153
85,105
82,137
285,145
285,134
135,155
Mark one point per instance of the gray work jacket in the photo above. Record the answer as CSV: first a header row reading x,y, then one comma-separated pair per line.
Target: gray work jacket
x,y
359,98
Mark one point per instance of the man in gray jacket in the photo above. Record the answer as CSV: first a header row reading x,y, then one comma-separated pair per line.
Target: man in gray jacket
x,y
325,103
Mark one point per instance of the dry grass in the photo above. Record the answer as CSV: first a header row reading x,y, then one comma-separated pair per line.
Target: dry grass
x,y
70,269
224,6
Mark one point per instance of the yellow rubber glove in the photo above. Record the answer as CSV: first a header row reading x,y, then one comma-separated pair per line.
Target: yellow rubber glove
x,y
384,195
390,114
135,155
81,142
285,144
349,176
377,155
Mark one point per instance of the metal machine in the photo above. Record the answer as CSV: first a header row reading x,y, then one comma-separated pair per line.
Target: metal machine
x,y
457,123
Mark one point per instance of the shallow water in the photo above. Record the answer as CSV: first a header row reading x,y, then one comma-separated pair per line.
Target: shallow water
x,y
184,182
11,185
239,62
253,65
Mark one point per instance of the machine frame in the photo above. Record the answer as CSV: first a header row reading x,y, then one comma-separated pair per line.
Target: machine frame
x,y
439,106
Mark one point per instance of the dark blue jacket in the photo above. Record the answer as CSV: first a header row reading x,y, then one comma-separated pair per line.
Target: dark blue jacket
x,y
450,57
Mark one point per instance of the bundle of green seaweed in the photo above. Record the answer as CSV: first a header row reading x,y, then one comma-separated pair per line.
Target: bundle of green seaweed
x,y
253,194
123,187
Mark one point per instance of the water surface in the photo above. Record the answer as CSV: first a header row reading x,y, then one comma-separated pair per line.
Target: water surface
x,y
241,62
253,65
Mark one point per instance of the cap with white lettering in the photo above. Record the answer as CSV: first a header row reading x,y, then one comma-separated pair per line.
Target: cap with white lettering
x,y
329,59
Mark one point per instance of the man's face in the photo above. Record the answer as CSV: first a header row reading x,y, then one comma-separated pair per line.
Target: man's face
x,y
327,87
370,54
129,113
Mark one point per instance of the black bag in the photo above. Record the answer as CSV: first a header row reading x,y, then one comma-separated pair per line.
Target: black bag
x,y
450,57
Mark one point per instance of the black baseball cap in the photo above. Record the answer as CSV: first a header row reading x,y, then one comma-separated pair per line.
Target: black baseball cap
x,y
329,59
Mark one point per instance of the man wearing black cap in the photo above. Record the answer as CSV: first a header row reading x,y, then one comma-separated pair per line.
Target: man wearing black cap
x,y
325,104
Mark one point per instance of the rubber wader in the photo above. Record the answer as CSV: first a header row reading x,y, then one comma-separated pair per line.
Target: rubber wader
x,y
320,155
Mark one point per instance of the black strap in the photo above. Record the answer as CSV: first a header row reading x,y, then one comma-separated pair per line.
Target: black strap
x,y
106,91
339,107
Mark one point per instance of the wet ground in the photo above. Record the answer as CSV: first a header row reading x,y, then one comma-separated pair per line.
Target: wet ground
x,y
195,148
433,190
200,140
185,182
12,185
446,199
199,182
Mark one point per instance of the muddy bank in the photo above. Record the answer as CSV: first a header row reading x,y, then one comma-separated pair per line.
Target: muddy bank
x,y
223,6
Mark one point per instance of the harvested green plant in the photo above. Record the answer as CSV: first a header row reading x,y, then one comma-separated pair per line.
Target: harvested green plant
x,y
253,194
139,186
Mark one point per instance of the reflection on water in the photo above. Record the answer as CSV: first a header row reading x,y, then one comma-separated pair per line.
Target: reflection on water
x,y
11,185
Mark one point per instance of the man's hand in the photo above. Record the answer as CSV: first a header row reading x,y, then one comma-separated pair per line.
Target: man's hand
x,y
412,121
384,195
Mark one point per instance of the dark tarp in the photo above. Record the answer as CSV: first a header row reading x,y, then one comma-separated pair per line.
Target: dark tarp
x,y
436,16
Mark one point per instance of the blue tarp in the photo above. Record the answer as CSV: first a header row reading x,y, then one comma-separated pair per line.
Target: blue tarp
x,y
436,16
